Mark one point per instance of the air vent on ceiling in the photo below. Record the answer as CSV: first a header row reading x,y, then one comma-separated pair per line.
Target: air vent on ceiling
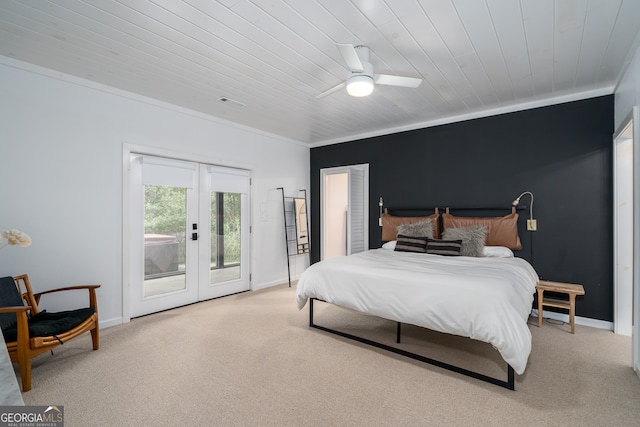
x,y
231,102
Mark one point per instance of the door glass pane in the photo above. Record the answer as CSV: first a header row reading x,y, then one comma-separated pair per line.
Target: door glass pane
x,y
225,236
165,213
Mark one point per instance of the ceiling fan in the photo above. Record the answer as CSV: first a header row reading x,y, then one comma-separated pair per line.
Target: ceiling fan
x,y
362,79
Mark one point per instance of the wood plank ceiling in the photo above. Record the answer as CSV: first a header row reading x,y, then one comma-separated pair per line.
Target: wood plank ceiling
x,y
476,57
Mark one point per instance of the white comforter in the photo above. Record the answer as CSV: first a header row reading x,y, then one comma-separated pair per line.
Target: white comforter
x,y
487,299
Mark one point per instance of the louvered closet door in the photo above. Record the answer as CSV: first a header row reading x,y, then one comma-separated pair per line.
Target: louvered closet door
x,y
356,213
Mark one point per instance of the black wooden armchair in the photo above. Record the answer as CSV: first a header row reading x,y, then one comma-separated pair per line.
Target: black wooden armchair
x,y
29,331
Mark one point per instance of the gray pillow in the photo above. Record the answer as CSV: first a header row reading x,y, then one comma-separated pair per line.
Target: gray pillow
x,y
417,229
473,239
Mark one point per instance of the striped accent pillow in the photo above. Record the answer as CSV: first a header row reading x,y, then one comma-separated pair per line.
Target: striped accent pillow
x,y
411,244
444,247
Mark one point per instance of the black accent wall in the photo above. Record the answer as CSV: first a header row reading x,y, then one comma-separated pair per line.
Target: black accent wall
x,y
561,153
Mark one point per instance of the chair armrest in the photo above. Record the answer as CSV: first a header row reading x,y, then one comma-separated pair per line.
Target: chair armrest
x,y
15,309
68,288
90,288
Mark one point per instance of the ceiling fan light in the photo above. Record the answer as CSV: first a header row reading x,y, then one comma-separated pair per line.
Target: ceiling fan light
x,y
360,85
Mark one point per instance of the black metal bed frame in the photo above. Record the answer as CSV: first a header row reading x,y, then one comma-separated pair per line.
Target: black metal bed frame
x,y
509,384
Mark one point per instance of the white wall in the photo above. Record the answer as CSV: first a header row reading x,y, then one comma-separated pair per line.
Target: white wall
x,y
627,94
623,234
61,142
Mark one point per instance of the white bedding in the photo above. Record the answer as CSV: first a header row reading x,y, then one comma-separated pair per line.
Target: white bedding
x,y
487,299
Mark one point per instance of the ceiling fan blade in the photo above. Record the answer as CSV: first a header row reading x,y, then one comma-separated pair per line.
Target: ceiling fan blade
x,y
385,79
351,57
333,89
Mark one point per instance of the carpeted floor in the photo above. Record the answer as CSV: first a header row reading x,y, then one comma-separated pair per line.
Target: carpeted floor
x,y
251,360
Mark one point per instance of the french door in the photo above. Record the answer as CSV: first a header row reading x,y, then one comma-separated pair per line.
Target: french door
x,y
189,232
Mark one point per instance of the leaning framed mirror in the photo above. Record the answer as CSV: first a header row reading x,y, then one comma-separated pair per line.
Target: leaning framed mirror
x,y
302,226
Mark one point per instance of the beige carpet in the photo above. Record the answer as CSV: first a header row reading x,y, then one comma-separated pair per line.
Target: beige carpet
x,y
251,359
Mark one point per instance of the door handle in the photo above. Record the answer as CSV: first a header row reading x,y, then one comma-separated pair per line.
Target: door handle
x,y
194,236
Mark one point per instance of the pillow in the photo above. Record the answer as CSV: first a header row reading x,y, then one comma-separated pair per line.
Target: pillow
x,y
389,245
501,231
411,244
422,228
497,252
472,239
390,224
444,247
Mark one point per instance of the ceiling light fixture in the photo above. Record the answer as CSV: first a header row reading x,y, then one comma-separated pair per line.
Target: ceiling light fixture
x,y
361,85
362,79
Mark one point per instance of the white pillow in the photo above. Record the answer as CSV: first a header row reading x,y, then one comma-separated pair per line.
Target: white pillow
x,y
389,245
497,252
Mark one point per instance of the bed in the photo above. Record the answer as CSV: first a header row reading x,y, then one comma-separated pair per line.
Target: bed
x,y
486,298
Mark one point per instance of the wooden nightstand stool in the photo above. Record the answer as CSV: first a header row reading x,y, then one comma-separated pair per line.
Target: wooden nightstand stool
x,y
565,288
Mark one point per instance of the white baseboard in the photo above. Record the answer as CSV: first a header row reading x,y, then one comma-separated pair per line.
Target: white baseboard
x,y
110,322
118,320
585,321
257,287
